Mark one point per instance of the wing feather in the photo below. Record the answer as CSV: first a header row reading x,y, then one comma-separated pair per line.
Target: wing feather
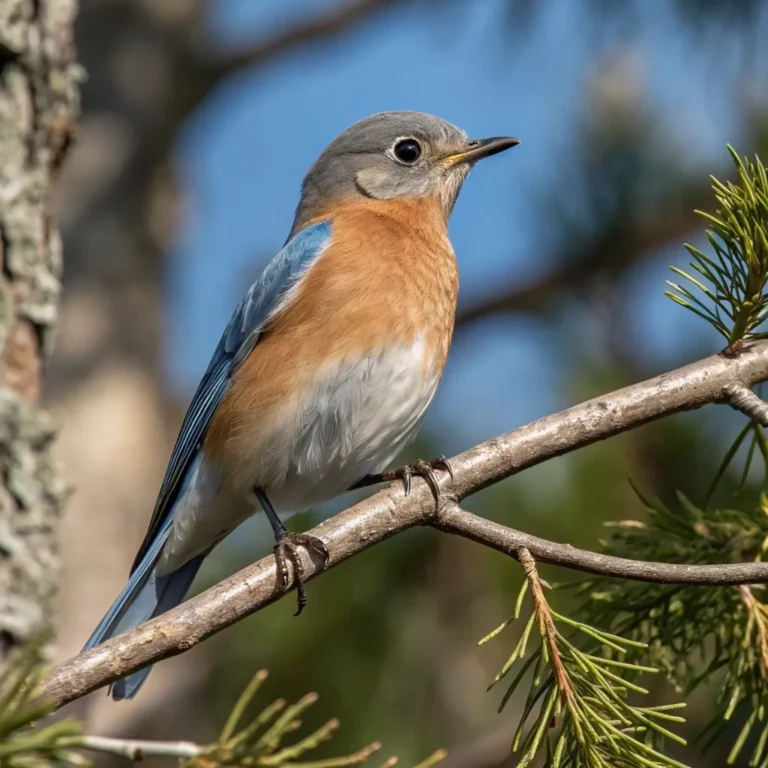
x,y
266,296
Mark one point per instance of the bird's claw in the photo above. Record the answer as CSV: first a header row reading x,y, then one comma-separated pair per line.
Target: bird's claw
x,y
287,548
425,470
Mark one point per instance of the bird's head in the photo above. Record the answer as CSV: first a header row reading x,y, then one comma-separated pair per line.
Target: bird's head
x,y
395,155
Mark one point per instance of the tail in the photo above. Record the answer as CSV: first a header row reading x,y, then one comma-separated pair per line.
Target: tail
x,y
146,596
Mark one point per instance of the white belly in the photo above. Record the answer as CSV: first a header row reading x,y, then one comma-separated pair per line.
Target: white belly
x,y
353,423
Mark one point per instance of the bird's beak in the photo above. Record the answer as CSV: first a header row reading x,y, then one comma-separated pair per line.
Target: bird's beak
x,y
480,148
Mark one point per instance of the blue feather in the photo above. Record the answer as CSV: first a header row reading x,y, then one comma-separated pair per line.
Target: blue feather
x,y
158,596
240,336
148,595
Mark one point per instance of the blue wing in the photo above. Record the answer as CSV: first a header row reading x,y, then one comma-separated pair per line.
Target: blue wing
x,y
240,337
148,594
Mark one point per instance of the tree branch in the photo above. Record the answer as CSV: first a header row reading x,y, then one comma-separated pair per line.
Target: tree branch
x,y
318,28
640,240
390,512
459,522
743,399
134,749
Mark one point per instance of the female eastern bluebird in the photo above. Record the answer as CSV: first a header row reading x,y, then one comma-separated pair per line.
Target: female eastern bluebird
x,y
328,364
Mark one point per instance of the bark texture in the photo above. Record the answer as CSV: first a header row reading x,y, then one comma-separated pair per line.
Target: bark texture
x,y
38,104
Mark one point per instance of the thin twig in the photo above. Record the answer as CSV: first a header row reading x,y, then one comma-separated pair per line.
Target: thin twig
x,y
459,522
339,17
134,749
547,628
390,512
743,399
644,236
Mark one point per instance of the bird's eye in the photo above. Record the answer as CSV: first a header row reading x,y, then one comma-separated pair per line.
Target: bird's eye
x,y
408,151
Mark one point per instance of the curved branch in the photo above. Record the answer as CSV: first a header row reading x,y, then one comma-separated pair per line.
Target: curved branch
x,y
745,400
337,19
462,523
390,512
641,240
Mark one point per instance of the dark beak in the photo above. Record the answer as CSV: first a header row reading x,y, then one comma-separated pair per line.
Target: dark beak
x,y
480,148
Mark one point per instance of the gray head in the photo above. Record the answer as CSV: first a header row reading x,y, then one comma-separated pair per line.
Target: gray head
x,y
394,155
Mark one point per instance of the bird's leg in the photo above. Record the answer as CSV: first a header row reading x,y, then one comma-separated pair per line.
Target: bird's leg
x,y
286,548
420,468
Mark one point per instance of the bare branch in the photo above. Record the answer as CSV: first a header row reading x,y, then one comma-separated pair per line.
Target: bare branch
x,y
390,512
640,241
338,19
743,399
495,536
134,749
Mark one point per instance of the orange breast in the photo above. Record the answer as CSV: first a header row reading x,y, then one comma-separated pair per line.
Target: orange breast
x,y
389,276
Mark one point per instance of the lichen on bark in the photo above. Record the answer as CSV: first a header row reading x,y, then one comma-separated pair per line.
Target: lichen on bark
x,y
39,90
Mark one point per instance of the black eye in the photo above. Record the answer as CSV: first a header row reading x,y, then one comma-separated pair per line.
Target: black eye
x,y
408,151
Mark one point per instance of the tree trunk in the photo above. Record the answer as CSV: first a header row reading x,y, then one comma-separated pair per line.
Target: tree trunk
x,y
38,103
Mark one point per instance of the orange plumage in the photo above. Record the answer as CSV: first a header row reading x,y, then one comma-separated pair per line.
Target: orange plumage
x,y
388,277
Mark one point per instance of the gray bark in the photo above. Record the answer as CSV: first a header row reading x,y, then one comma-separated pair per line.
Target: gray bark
x,y
38,104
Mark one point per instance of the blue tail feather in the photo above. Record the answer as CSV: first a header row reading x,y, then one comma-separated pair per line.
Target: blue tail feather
x,y
158,596
108,625
145,596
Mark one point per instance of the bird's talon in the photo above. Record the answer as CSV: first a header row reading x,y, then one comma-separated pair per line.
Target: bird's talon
x,y
441,462
407,474
287,548
301,597
425,470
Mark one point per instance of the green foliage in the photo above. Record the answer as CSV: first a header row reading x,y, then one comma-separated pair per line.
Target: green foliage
x,y
758,444
584,717
24,743
733,282
693,633
261,739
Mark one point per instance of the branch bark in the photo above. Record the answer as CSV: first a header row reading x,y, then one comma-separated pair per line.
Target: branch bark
x,y
745,400
136,749
390,512
38,102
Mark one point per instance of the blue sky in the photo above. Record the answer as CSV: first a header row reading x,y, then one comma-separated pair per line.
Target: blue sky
x,y
244,153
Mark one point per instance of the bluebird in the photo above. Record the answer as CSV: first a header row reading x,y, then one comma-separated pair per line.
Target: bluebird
x,y
327,366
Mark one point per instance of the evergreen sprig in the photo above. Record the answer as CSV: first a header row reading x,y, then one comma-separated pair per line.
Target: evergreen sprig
x,y
693,633
577,711
260,740
732,283
24,743
754,434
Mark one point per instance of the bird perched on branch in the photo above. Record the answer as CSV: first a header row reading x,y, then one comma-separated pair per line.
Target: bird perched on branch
x,y
327,366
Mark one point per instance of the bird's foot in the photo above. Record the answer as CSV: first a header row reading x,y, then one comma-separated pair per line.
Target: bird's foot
x,y
287,548
420,468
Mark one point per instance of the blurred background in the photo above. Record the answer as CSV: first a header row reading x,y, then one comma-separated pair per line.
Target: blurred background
x,y
200,119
